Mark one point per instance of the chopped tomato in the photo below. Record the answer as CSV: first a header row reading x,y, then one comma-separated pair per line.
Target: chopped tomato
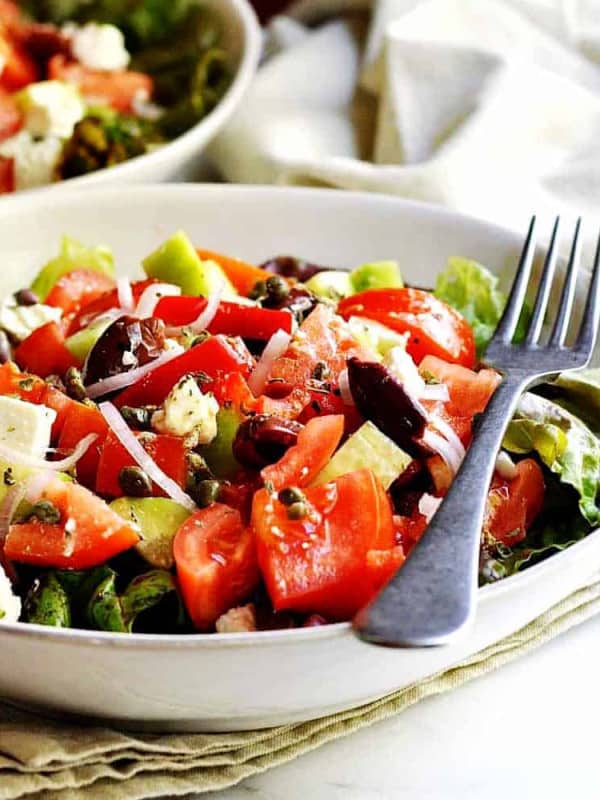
x,y
104,303
7,174
61,404
168,452
242,275
27,387
231,319
470,391
216,563
44,352
214,357
330,402
11,118
80,420
118,88
301,464
321,563
89,532
77,289
19,68
409,530
434,327
513,505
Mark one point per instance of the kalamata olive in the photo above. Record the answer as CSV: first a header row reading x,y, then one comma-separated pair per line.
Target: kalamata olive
x,y
126,344
5,348
134,482
381,398
43,41
299,301
262,440
25,297
408,487
291,267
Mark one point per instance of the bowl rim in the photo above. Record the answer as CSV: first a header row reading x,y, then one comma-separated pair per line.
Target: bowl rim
x,y
215,119
151,641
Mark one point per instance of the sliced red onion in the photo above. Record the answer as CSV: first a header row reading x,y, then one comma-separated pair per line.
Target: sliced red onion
x,y
64,464
151,295
505,466
428,505
435,391
344,386
125,294
442,447
141,457
276,347
123,379
448,433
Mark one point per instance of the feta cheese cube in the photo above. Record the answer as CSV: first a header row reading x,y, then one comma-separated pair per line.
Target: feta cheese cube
x,y
35,162
20,321
10,604
188,412
25,427
98,46
50,108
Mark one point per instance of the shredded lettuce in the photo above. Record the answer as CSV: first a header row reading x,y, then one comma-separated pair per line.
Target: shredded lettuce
x,y
564,444
72,255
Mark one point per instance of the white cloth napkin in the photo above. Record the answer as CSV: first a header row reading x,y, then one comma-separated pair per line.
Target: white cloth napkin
x,y
490,107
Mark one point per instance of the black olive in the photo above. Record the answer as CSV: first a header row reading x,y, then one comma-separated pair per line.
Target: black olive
x,y
25,297
126,344
382,399
290,267
262,440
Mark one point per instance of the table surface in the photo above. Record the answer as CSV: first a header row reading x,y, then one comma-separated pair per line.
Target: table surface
x,y
526,731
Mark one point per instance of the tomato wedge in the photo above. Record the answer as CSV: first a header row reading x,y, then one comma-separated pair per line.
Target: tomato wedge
x,y
77,289
104,303
80,420
19,68
7,174
89,532
302,463
469,391
44,352
11,118
321,563
433,326
27,387
118,88
216,563
513,505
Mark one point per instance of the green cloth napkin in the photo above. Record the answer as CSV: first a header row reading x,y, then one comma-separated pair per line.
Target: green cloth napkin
x,y
46,760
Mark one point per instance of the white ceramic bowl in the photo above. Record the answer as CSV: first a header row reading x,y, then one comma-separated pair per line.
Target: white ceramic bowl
x,y
181,159
242,681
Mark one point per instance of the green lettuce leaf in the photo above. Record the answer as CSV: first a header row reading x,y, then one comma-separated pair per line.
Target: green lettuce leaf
x,y
564,444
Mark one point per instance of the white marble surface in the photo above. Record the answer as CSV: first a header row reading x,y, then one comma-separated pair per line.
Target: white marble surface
x,y
527,731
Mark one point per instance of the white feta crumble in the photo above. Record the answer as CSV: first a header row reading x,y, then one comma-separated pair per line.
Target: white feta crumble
x,y
428,505
19,321
188,412
35,161
404,369
237,620
10,604
25,427
98,46
51,108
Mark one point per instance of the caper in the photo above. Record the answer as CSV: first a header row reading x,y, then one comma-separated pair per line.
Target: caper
x,y
135,482
74,384
138,417
205,493
25,297
45,511
297,511
291,495
258,291
321,371
277,290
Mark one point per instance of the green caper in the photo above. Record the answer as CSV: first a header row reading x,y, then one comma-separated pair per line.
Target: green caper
x,y
258,291
297,511
45,511
138,417
134,482
205,493
291,495
74,385
321,371
197,471
91,133
277,289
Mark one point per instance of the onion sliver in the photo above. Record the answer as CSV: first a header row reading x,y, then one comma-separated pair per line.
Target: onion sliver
x,y
27,460
443,448
125,294
123,379
344,386
448,433
121,430
276,346
435,391
151,295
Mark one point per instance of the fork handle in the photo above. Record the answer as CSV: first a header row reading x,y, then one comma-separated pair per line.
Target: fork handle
x,y
433,597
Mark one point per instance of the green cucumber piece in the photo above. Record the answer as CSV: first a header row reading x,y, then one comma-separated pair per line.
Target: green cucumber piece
x,y
376,275
80,343
219,453
158,519
331,284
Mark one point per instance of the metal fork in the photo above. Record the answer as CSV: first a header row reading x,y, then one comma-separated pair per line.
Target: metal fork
x,y
433,597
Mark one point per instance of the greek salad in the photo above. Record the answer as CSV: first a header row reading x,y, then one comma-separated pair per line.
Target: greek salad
x,y
219,446
87,85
